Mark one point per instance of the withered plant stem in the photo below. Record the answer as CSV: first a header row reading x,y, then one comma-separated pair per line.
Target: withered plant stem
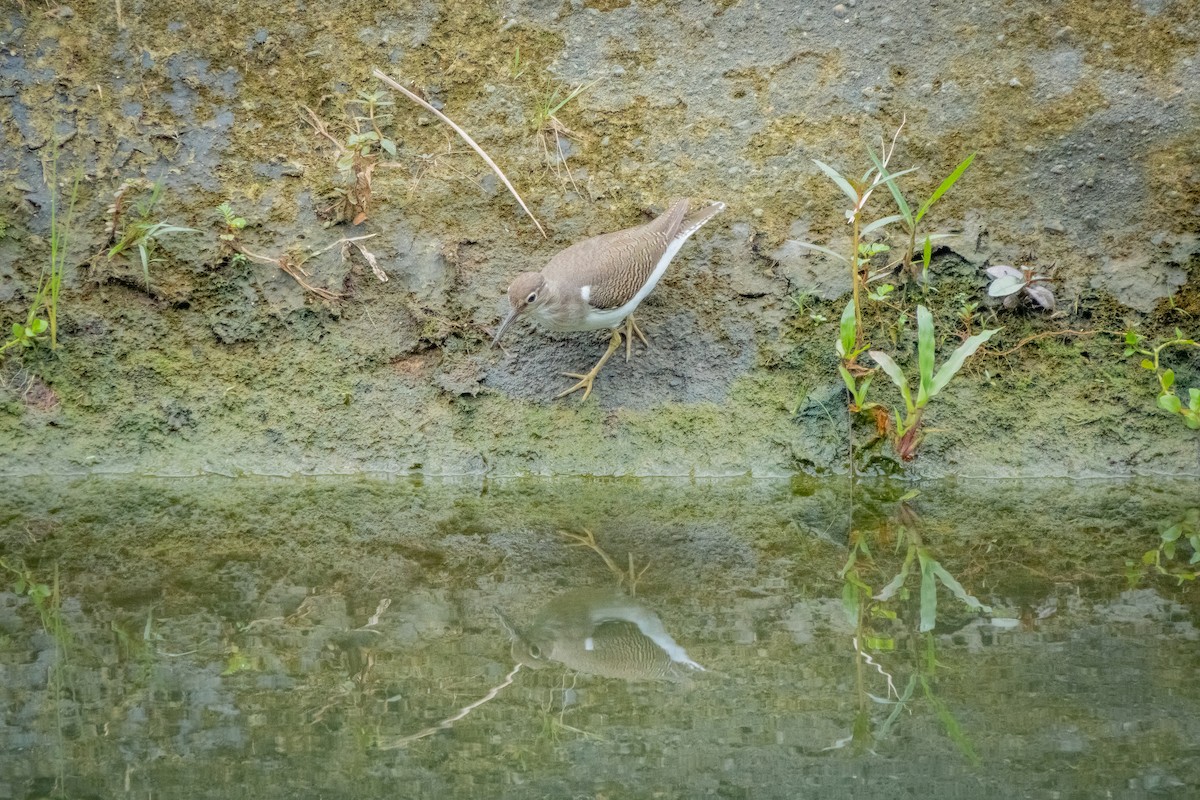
x,y
381,75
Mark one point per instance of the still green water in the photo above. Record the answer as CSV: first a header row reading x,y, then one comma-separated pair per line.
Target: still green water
x,y
354,637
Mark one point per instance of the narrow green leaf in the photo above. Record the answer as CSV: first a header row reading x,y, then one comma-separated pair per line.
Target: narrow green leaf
x,y
901,203
1168,379
849,329
850,602
927,254
893,586
841,182
944,186
925,354
847,379
879,223
825,250
1168,549
928,594
389,146
860,397
890,178
892,370
951,583
955,362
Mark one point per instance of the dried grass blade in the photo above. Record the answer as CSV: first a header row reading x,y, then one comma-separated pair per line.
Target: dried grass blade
x,y
381,75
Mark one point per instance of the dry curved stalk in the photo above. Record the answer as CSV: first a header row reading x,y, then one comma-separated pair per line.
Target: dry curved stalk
x,y
448,722
381,75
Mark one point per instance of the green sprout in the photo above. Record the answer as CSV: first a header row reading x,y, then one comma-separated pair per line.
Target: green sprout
x,y
143,235
912,221
908,428
1167,399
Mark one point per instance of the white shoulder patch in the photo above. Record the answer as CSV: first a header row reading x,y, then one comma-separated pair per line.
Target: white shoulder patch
x,y
586,293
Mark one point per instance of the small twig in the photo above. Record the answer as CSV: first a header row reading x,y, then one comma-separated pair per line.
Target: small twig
x,y
320,128
1045,334
381,75
293,269
448,722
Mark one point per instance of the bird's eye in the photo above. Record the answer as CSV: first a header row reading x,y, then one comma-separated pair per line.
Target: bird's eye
x,y
531,298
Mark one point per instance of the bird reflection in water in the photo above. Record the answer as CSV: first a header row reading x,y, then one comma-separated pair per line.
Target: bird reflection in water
x,y
601,632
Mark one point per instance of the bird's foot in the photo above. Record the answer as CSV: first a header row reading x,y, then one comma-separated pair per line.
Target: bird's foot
x,y
586,379
632,328
585,383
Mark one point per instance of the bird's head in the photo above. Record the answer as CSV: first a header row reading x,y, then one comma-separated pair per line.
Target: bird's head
x,y
524,293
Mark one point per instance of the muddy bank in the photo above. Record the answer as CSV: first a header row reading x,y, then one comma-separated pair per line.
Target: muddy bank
x,y
211,360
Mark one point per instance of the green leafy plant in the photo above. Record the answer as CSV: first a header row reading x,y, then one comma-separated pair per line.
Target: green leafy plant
x,y
358,154
875,616
1168,400
911,221
858,192
233,223
856,377
140,233
49,285
907,434
26,335
1165,559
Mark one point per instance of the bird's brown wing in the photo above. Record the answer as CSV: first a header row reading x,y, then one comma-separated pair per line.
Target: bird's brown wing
x,y
616,265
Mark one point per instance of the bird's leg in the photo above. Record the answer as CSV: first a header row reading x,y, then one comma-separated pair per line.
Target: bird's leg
x,y
585,380
631,328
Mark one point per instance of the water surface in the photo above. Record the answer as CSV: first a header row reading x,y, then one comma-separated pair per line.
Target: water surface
x,y
343,637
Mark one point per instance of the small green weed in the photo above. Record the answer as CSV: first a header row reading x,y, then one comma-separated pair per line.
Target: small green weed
x,y
233,223
911,221
45,598
357,155
139,233
1167,399
907,435
49,285
1167,557
550,131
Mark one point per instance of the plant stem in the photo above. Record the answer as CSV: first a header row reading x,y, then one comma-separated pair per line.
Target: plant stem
x,y
854,282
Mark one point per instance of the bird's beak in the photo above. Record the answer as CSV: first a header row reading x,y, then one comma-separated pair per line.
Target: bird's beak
x,y
504,326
